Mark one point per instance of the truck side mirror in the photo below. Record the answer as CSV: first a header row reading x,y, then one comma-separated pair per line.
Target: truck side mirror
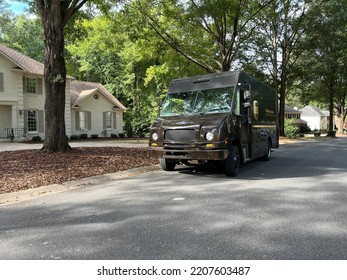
x,y
247,95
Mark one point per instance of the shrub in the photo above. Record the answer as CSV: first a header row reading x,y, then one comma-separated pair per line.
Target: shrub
x,y
74,137
121,135
94,136
83,136
36,138
291,128
331,133
113,135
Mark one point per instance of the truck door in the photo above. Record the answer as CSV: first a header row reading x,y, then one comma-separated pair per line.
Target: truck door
x,y
242,111
251,134
258,133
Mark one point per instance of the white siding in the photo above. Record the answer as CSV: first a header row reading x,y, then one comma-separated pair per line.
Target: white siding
x,y
97,107
13,100
9,97
10,79
312,122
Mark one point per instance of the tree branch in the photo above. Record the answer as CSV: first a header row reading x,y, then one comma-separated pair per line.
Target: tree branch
x,y
70,8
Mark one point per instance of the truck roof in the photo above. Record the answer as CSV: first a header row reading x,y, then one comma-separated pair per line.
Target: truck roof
x,y
209,81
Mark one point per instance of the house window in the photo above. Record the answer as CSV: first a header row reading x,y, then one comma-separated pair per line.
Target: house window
x,y
1,82
32,121
30,85
83,120
108,120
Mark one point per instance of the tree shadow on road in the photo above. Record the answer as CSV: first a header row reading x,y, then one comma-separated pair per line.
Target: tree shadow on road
x,y
290,161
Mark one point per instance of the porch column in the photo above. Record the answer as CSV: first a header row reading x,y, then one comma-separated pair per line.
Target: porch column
x,y
14,121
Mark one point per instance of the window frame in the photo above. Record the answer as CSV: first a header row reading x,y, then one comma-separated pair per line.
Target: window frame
x,y
31,85
30,120
109,120
110,117
86,120
83,120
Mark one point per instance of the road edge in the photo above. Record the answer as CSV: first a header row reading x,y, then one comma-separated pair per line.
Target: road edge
x,y
14,197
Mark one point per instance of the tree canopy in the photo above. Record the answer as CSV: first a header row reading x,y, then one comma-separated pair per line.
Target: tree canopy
x,y
136,47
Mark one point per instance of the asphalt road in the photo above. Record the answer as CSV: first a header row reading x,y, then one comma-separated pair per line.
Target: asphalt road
x,y
291,207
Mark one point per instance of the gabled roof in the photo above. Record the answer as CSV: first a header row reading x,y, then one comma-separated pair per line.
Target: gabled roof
x,y
289,109
312,111
81,90
78,90
22,61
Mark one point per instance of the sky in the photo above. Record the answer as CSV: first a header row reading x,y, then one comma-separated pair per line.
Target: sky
x,y
17,7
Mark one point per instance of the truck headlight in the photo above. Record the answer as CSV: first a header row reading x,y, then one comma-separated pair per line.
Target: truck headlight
x,y
155,136
209,136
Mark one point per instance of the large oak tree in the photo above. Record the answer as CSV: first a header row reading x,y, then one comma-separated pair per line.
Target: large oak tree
x,y
207,33
55,15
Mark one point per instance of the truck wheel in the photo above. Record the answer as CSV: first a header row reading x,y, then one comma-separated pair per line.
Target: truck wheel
x,y
267,156
167,165
232,162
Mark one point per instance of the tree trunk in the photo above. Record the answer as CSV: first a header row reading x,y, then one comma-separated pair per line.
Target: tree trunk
x,y
55,82
282,100
283,84
339,121
331,94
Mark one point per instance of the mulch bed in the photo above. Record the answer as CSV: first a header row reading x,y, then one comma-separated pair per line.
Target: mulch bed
x,y
26,169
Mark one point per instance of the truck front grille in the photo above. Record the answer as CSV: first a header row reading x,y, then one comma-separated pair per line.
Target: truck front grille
x,y
179,135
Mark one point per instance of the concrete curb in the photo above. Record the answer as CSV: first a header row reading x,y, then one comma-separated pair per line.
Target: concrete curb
x,y
23,195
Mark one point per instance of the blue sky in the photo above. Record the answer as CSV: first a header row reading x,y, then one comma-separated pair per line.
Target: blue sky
x,y
17,7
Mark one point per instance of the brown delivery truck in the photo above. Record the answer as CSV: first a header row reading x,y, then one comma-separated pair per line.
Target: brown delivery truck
x,y
223,119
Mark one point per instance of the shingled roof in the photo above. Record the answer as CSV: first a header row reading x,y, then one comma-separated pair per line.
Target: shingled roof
x,y
80,90
22,61
312,111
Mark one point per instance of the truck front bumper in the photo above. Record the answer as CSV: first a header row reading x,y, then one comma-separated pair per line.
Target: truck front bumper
x,y
191,154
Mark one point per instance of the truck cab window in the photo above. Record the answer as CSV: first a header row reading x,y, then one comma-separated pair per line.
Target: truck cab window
x,y
239,104
208,101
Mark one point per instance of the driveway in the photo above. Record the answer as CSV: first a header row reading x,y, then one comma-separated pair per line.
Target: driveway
x,y
292,207
6,145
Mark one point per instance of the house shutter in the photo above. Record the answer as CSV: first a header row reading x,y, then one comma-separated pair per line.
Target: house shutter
x,y
77,120
89,120
25,122
39,86
24,85
41,121
2,82
114,120
104,120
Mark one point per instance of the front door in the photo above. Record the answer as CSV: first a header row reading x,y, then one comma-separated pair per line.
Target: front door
x,y
5,120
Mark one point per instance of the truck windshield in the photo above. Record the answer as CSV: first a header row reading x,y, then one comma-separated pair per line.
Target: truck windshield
x,y
198,102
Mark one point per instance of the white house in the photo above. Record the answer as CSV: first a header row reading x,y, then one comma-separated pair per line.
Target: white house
x,y
316,118
90,108
291,113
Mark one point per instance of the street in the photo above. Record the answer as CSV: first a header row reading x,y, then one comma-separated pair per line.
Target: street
x,y
292,207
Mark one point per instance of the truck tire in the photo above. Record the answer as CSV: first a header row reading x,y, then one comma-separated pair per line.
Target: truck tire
x,y
232,162
267,156
167,165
